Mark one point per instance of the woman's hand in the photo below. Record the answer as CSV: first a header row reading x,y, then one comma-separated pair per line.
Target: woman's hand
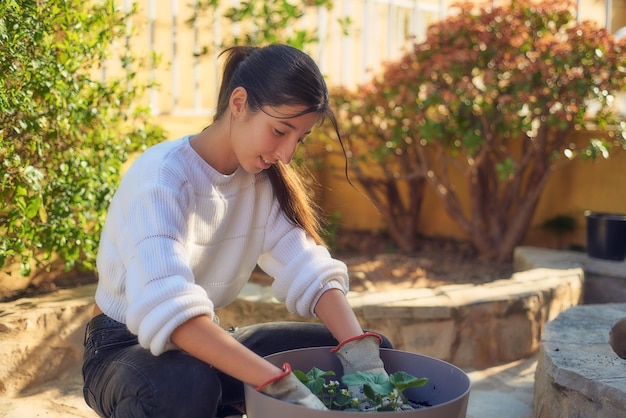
x,y
288,388
357,351
361,354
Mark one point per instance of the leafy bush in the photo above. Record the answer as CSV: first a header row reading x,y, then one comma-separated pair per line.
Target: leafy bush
x,y
265,22
64,133
491,99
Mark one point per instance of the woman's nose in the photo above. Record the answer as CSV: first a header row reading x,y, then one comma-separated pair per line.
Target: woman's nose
x,y
287,150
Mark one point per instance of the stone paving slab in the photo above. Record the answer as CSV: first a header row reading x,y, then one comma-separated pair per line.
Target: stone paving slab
x,y
504,391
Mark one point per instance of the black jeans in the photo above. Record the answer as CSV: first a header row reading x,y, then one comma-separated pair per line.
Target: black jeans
x,y
123,379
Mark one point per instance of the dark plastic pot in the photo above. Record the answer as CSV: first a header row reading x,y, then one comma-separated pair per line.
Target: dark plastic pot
x,y
606,236
447,389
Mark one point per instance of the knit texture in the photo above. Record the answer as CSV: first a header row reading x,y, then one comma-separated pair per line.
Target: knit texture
x,y
182,239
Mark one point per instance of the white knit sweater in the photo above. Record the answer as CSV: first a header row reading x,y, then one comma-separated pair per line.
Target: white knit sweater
x,y
181,239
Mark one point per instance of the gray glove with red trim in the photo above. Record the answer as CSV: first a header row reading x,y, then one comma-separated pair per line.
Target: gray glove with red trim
x,y
288,388
362,354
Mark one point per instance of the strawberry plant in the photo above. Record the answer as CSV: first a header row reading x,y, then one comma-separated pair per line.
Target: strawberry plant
x,y
383,393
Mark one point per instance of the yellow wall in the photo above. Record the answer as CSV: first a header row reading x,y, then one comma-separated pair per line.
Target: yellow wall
x,y
618,17
338,196
581,185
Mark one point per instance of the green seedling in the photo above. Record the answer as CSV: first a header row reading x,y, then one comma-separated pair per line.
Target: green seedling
x,y
383,393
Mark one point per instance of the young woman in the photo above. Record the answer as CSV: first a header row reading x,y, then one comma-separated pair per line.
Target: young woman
x,y
188,224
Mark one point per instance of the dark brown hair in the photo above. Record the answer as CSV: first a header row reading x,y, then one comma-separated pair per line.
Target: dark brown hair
x,y
278,75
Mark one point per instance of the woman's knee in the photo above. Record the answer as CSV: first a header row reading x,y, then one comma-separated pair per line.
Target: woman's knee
x,y
190,398
186,387
171,385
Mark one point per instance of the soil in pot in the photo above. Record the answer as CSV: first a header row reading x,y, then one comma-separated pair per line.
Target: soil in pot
x,y
447,390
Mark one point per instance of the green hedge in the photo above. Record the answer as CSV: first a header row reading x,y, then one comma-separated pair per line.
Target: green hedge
x,y
64,133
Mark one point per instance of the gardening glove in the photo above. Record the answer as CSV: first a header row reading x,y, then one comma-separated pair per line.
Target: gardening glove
x,y
362,354
288,388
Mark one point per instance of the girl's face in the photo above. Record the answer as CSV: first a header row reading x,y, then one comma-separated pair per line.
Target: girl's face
x,y
265,137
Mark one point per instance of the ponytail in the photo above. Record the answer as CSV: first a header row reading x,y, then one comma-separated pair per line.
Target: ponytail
x,y
294,200
234,56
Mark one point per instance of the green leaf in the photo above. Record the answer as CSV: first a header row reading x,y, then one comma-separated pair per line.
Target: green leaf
x,y
20,191
369,391
316,373
300,375
315,385
377,382
25,269
33,206
402,381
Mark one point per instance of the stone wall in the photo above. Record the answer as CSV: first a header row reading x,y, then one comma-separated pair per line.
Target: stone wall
x,y
578,374
473,326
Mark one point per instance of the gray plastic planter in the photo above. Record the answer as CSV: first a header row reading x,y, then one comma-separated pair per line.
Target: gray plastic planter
x,y
447,389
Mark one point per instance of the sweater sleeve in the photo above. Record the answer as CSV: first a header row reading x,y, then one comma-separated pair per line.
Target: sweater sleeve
x,y
160,286
302,269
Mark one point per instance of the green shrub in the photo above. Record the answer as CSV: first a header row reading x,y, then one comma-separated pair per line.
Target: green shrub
x,y
64,133
499,93
485,109
265,22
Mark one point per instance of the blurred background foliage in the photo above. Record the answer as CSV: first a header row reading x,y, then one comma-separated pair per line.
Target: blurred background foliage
x,y
483,112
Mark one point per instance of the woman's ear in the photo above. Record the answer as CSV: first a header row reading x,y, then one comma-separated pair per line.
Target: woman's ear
x,y
238,100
